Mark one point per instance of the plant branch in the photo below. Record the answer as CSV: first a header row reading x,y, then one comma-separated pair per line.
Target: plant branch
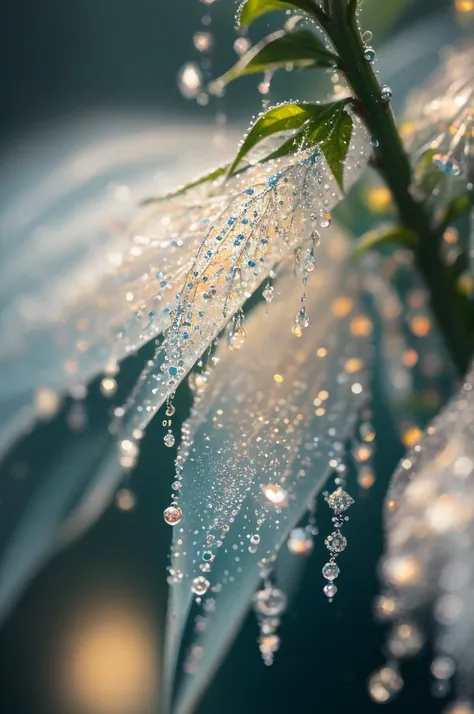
x,y
449,308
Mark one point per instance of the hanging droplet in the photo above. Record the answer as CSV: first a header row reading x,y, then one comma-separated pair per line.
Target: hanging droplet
x,y
330,571
309,263
242,45
300,542
367,36
200,585
446,164
190,80
336,542
169,439
369,55
108,386
173,515
170,410
339,500
386,93
330,590
237,338
374,142
268,645
269,292
269,602
326,220
203,41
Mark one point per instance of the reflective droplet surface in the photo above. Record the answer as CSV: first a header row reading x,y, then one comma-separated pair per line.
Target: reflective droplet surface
x,y
269,602
386,93
300,542
200,585
169,439
369,55
173,515
446,164
330,571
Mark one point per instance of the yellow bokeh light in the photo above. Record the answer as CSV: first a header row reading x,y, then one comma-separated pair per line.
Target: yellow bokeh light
x,y
361,326
411,436
278,378
420,325
109,663
341,306
378,199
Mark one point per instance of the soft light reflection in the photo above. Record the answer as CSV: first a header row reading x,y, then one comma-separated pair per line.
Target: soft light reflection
x,y
109,663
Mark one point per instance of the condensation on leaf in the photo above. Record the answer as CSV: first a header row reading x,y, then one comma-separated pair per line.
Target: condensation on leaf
x,y
257,429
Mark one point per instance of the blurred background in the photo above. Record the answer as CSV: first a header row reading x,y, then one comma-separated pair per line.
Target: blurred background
x,y
86,635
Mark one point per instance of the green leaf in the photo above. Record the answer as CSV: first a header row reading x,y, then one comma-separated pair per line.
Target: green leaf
x,y
458,206
336,145
210,176
352,9
319,122
250,10
277,119
397,235
301,47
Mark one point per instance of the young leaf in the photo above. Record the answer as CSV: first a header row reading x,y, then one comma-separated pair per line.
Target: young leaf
x,y
395,235
276,120
302,48
250,10
336,145
322,120
210,176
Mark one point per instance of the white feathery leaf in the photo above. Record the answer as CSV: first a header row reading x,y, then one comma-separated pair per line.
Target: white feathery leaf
x,y
256,449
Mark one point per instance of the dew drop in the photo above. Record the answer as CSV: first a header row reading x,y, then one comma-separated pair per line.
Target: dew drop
x,y
169,439
173,515
446,164
200,585
369,55
386,93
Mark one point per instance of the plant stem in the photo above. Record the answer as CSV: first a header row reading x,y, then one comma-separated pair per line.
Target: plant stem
x,y
393,164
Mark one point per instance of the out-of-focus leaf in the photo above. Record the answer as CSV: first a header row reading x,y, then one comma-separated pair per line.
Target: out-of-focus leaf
x,y
205,178
458,206
254,426
391,235
250,10
302,48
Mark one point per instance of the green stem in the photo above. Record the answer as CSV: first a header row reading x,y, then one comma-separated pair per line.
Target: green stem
x,y
394,166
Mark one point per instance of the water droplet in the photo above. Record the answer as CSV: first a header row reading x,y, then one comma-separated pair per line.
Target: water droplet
x,y
269,602
446,164
326,220
170,410
369,55
242,45
367,36
336,542
237,338
275,494
203,41
309,263
330,571
374,142
269,293
386,93
190,80
200,585
173,515
169,439
330,590
300,542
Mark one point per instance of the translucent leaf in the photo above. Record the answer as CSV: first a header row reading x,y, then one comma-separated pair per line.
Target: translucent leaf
x,y
73,278
255,450
301,48
250,10
386,235
430,530
259,219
